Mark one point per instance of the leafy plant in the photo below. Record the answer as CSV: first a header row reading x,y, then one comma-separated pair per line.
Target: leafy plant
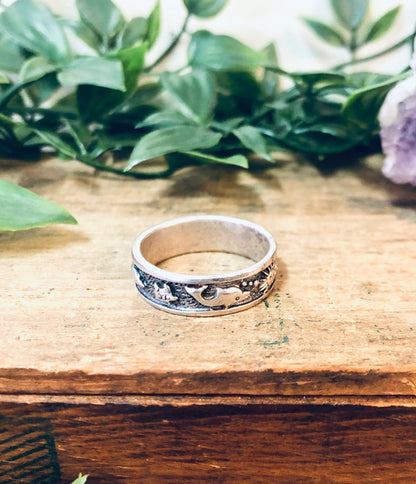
x,y
352,30
84,89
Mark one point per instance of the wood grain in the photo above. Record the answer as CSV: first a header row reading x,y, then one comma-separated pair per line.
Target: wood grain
x,y
228,444
341,320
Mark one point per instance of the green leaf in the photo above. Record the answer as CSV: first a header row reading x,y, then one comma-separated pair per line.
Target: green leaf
x,y
11,58
222,53
42,90
82,479
270,81
363,106
113,141
143,95
95,101
95,71
195,93
164,119
204,8
242,85
132,61
320,143
236,160
4,79
21,209
227,125
33,26
56,142
35,68
326,32
358,80
350,13
382,25
134,31
253,140
83,31
169,140
311,79
336,128
333,95
10,94
153,25
317,79
80,134
102,16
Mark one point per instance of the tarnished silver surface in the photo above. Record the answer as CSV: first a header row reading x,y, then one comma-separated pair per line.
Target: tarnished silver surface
x,y
204,295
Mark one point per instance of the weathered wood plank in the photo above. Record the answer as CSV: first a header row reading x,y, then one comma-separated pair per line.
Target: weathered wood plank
x,y
261,444
200,400
342,318
248,384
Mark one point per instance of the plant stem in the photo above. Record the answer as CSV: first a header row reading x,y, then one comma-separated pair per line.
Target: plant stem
x,y
100,166
6,125
12,91
171,47
378,54
353,45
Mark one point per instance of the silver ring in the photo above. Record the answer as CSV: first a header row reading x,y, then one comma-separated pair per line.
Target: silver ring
x,y
204,295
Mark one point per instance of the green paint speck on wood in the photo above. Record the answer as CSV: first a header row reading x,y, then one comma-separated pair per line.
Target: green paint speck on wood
x,y
285,340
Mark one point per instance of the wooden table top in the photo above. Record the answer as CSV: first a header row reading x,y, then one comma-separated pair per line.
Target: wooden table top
x,y
340,325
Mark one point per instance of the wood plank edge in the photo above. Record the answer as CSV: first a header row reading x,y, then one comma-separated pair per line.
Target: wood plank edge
x,y
295,384
199,400
242,383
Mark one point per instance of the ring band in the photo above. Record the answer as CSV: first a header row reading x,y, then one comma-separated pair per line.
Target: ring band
x,y
204,295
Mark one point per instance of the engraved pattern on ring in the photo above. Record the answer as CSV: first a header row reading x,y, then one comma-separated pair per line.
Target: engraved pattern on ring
x,y
205,297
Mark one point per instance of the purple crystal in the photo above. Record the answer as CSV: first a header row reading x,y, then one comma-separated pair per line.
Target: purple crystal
x,y
399,144
397,119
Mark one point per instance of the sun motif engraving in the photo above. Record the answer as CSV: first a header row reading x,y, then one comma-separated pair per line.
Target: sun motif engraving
x,y
263,282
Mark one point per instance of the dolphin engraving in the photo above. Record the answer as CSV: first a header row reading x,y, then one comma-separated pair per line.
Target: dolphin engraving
x,y
229,296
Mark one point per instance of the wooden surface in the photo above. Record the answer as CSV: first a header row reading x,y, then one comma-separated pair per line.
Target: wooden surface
x,y
250,444
340,324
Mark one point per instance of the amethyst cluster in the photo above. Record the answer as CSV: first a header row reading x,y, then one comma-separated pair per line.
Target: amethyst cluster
x,y
397,119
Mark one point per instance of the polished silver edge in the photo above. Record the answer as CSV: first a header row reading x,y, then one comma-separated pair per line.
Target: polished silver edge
x,y
145,265
205,295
